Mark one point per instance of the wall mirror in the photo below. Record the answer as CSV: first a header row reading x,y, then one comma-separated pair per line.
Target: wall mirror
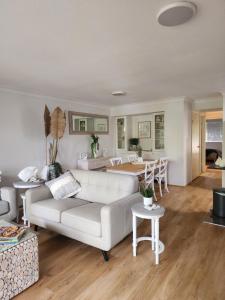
x,y
83,123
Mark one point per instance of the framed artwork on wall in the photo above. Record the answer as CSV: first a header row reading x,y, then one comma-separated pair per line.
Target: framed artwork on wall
x,y
144,129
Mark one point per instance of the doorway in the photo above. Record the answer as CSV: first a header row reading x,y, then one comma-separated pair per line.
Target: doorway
x,y
213,141
207,137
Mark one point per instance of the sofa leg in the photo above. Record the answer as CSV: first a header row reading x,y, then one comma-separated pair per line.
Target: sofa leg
x,y
35,227
105,255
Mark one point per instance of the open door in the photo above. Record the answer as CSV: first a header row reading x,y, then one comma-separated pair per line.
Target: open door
x,y
196,145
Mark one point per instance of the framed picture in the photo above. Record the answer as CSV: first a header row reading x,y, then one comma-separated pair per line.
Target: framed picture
x,y
144,129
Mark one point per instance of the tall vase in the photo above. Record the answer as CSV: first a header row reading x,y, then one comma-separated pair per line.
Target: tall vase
x,y
55,170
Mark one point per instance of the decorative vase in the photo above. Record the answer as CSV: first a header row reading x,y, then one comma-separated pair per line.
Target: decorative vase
x,y
55,170
147,201
140,159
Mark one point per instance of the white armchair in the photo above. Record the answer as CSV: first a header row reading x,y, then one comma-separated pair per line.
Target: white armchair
x,y
8,207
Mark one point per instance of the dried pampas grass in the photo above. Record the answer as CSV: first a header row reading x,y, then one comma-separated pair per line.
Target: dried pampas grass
x,y
58,123
47,120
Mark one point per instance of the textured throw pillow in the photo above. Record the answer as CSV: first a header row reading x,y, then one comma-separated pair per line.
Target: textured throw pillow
x,y
28,173
64,186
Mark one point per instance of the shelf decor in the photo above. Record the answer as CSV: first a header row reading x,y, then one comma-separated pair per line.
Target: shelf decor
x,y
94,145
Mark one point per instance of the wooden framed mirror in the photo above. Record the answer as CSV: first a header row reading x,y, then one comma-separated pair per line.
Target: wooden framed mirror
x,y
84,123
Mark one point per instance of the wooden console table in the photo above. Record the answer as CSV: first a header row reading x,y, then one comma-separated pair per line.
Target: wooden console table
x,y
93,163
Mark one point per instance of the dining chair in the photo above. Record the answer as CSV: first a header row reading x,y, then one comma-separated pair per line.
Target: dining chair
x,y
163,159
161,175
115,161
150,175
132,158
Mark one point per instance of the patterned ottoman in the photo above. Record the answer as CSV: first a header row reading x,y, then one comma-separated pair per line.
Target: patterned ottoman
x,y
19,267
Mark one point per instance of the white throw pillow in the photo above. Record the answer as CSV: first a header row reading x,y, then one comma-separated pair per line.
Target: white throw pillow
x,y
44,173
28,173
64,186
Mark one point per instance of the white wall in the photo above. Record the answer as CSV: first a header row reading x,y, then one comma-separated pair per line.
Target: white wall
x,y
177,133
214,145
22,140
208,103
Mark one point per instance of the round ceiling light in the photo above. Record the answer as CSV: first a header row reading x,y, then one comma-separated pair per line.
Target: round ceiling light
x,y
118,93
176,13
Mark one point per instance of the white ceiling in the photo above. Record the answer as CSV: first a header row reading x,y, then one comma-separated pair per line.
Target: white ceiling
x,y
83,50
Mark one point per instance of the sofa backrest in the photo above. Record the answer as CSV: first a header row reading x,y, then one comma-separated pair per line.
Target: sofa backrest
x,y
104,187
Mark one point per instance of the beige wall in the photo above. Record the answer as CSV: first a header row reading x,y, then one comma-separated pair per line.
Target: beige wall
x,y
22,141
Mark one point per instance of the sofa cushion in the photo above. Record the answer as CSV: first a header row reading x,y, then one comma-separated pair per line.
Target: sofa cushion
x,y
64,186
4,207
103,187
85,218
52,209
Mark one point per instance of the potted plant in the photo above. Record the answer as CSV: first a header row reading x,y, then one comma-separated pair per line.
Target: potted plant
x,y
139,154
94,145
147,193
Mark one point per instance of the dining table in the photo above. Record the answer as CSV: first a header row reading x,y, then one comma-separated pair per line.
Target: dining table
x,y
129,168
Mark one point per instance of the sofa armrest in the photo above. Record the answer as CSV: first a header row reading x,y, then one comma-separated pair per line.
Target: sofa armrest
x,y
37,194
116,219
9,194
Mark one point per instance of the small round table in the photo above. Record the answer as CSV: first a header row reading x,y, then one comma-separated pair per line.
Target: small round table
x,y
26,186
139,211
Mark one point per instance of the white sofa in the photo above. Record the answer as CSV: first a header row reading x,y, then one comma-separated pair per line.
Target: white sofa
x,y
99,216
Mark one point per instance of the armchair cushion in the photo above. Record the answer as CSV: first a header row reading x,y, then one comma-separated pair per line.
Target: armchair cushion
x,y
8,195
51,209
86,218
4,207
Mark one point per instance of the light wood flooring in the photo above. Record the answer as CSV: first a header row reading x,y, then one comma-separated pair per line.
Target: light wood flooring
x,y
192,266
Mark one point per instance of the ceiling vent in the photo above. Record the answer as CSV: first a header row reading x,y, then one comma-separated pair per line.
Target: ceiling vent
x,y
176,13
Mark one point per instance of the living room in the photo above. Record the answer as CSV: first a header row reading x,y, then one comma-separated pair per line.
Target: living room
x,y
144,70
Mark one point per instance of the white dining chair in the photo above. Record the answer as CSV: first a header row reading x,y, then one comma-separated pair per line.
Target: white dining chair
x,y
132,158
161,175
163,159
150,175
115,161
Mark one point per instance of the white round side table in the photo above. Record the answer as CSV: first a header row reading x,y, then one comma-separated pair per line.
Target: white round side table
x,y
139,211
26,186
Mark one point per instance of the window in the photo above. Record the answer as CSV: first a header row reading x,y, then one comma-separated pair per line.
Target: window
x,y
214,130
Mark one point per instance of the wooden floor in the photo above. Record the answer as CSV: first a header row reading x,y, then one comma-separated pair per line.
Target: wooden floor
x,y
192,266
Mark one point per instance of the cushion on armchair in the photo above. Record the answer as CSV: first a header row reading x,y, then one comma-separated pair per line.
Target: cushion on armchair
x,y
4,207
